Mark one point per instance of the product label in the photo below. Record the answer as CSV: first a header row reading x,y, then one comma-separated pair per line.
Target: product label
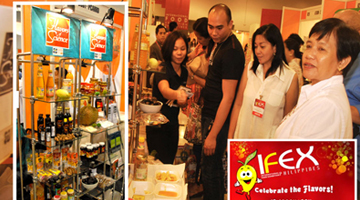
x,y
144,46
50,91
140,174
48,136
59,124
39,92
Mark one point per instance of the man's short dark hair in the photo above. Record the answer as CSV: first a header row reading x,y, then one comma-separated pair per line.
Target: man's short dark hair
x,y
158,28
60,71
225,8
172,26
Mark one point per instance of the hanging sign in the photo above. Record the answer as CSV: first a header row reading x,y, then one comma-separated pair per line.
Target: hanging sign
x,y
54,34
177,11
96,41
276,170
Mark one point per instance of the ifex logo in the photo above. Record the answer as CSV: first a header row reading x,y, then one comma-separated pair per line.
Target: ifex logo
x,y
57,30
283,161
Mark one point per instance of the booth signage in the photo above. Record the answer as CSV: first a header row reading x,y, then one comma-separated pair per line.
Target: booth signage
x,y
177,11
96,41
54,34
57,30
276,170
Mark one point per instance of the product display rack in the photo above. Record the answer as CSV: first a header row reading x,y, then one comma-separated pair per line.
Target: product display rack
x,y
76,128
33,100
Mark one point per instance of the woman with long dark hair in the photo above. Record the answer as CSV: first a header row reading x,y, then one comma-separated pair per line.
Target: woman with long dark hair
x,y
268,89
164,138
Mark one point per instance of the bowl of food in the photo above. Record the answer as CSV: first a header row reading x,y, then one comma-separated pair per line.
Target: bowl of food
x,y
150,106
90,183
167,190
166,176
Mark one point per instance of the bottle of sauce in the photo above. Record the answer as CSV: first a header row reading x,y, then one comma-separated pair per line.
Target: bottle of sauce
x,y
59,121
67,116
39,90
141,161
41,128
66,126
99,104
50,85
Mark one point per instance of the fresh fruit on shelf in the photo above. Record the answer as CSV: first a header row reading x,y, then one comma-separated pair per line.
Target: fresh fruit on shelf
x,y
88,115
97,93
62,94
105,92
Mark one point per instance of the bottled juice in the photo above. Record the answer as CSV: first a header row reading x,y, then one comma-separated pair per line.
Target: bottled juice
x,y
39,90
71,77
141,161
50,85
134,43
144,49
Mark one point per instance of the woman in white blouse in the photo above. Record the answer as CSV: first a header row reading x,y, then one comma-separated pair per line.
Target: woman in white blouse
x,y
268,89
323,109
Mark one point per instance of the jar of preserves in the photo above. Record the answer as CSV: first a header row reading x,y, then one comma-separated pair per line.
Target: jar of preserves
x,y
89,152
102,147
83,151
63,195
103,86
82,88
71,193
91,89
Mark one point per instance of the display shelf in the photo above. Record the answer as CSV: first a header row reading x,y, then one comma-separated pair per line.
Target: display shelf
x,y
98,130
62,143
53,100
147,70
112,94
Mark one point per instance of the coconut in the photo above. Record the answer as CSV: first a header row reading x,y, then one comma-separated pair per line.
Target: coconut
x,y
88,115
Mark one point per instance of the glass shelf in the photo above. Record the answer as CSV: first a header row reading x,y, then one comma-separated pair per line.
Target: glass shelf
x,y
98,130
112,94
62,143
149,70
53,100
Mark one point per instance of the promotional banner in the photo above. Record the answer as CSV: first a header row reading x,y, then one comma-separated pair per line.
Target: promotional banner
x,y
54,34
177,11
277,170
96,42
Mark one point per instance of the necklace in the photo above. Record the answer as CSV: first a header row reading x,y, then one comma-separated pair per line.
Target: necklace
x,y
216,50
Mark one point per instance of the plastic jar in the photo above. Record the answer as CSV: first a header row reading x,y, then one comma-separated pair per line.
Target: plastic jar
x,y
103,86
89,152
102,147
71,194
83,88
67,85
82,150
56,197
63,195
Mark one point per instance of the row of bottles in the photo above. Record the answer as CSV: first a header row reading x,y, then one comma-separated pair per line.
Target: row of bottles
x,y
58,188
40,84
48,130
144,48
48,90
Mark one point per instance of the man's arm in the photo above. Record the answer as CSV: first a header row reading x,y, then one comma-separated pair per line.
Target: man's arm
x,y
228,89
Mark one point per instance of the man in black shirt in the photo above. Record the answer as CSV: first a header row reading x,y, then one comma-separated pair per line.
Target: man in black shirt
x,y
225,69
155,48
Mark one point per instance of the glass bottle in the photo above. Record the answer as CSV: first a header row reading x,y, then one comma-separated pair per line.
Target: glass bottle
x,y
141,161
59,121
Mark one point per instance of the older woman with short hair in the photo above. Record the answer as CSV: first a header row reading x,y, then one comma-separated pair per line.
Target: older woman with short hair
x,y
323,109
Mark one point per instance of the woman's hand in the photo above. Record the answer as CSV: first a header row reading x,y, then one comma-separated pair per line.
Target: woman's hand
x,y
181,98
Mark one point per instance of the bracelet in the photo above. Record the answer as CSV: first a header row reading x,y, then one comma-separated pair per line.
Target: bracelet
x,y
192,77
